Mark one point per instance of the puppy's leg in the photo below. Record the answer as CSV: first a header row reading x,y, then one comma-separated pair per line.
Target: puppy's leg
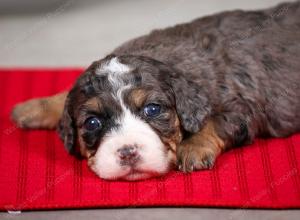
x,y
200,150
40,113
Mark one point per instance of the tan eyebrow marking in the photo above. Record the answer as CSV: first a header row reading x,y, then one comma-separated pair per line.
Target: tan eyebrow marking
x,y
93,104
138,97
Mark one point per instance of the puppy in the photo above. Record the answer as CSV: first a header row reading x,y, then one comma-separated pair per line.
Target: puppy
x,y
181,95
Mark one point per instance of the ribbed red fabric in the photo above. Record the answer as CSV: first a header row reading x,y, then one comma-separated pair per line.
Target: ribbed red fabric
x,y
37,173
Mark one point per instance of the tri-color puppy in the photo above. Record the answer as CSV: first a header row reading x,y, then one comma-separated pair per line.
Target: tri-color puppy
x,y
181,95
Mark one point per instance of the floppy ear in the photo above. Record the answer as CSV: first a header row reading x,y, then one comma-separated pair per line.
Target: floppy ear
x,y
192,102
66,128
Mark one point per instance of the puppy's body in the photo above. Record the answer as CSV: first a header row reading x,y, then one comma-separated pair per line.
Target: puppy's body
x,y
243,62
220,81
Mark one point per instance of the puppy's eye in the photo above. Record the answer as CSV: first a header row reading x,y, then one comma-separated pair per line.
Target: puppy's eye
x,y
92,123
152,110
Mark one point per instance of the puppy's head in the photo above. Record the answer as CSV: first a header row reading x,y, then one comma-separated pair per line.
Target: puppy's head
x,y
126,115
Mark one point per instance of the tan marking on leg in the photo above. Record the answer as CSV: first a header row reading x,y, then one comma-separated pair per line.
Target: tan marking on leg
x,y
201,149
40,113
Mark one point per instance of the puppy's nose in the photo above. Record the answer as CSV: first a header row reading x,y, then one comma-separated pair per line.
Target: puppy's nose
x,y
128,154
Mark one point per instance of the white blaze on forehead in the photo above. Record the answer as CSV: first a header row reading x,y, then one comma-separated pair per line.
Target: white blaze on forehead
x,y
114,71
113,66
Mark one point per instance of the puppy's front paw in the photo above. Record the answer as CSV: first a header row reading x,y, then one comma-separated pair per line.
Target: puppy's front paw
x,y
196,157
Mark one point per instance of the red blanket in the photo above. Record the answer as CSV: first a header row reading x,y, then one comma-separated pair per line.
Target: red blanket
x,y
37,173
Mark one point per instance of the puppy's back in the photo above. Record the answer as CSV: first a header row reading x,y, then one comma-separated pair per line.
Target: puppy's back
x,y
251,56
